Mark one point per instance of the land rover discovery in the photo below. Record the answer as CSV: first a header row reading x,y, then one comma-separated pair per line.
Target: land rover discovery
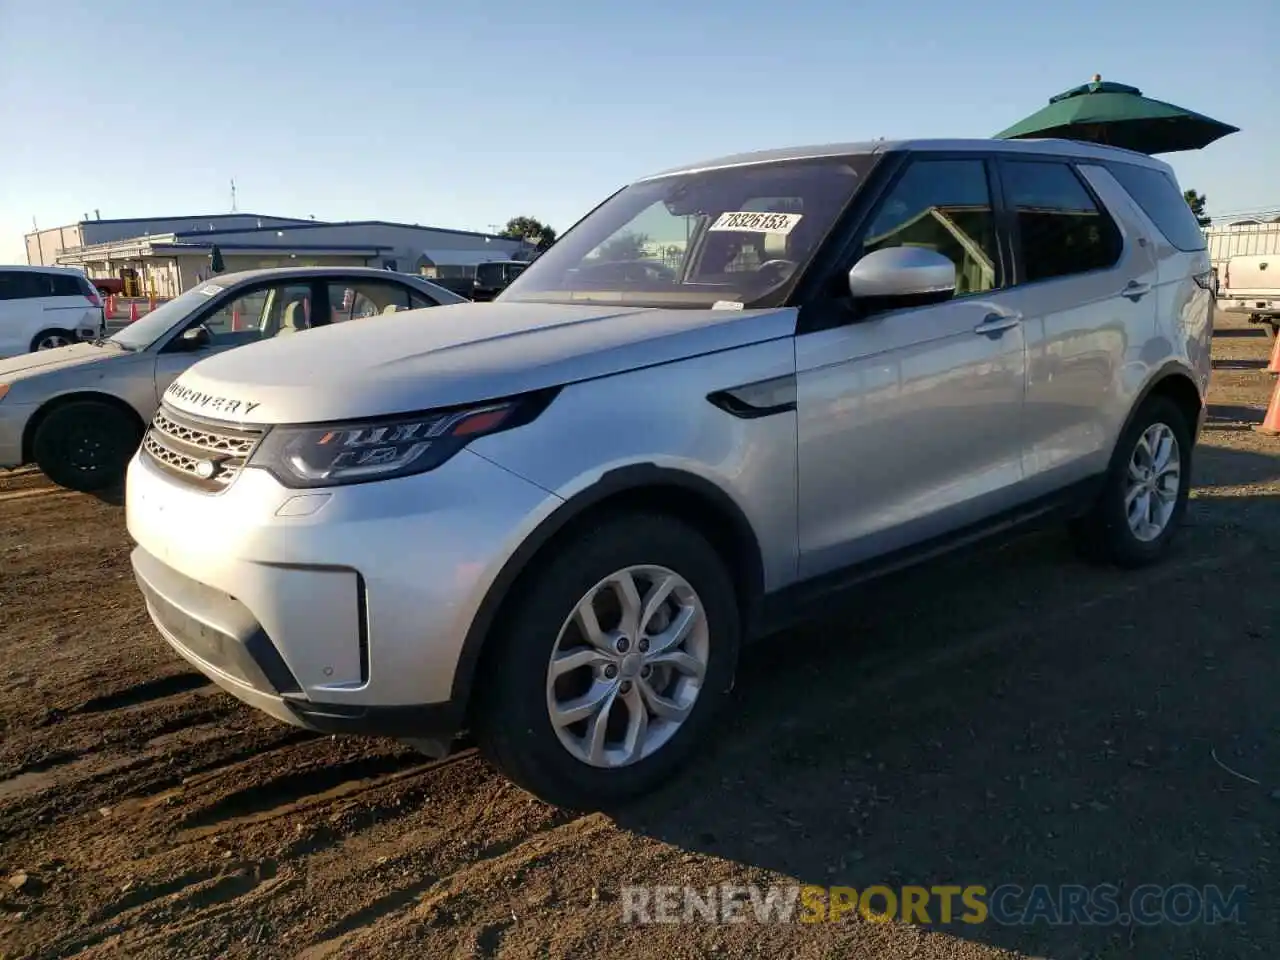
x,y
732,388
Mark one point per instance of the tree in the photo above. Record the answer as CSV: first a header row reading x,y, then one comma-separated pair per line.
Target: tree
x,y
625,246
531,230
215,260
1196,202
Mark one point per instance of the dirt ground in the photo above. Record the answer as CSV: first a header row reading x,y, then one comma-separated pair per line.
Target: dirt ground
x,y
1009,716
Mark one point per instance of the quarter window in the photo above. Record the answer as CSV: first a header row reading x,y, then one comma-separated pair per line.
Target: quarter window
x,y
1158,195
943,205
1062,230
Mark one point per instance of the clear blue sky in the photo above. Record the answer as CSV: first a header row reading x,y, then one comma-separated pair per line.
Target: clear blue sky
x,y
464,114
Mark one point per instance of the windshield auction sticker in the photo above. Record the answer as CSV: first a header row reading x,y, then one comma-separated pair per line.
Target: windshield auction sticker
x,y
747,222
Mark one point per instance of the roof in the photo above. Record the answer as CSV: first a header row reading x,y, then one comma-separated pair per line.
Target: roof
x,y
312,224
1073,148
199,216
24,268
240,275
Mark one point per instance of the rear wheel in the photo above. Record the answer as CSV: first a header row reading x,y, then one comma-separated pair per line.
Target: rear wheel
x,y
613,662
1137,515
86,445
52,339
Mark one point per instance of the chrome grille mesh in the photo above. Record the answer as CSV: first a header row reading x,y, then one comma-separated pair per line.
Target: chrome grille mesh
x,y
180,444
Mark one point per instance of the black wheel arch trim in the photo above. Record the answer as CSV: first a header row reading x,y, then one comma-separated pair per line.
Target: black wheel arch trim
x,y
1167,371
621,480
66,399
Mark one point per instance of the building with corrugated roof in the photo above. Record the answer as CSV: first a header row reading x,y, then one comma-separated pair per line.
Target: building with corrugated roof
x,y
163,256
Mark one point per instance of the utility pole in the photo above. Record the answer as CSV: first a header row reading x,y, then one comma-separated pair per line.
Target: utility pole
x,y
233,194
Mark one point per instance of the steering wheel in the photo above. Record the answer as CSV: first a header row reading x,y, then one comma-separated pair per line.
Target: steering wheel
x,y
781,267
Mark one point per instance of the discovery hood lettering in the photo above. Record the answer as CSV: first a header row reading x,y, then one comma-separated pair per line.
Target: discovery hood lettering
x,y
453,355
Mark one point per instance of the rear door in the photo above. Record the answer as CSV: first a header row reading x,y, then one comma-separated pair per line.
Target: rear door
x,y
1084,281
73,304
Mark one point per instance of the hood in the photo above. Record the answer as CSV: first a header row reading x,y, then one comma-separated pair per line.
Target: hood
x,y
450,355
27,365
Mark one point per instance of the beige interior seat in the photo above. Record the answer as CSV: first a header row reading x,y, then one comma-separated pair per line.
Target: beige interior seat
x,y
293,319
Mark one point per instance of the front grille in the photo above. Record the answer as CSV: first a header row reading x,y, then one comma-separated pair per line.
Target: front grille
x,y
180,444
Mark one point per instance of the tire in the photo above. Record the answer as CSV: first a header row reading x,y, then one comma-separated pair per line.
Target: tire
x,y
513,722
1105,534
47,339
86,445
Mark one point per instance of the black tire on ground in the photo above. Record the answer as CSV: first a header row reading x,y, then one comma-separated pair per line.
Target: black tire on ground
x,y
1104,535
513,727
86,445
40,337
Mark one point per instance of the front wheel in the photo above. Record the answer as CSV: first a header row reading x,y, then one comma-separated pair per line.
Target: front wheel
x,y
1137,515
86,445
612,663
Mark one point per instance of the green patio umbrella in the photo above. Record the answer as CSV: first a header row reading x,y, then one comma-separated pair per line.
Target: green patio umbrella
x,y
1119,115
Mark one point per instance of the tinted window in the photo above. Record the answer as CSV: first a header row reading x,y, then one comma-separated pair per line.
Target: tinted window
x,y
65,286
25,285
944,205
1063,231
1159,197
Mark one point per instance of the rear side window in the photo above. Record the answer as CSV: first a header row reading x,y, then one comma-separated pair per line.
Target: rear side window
x,y
25,285
1158,196
66,286
1063,230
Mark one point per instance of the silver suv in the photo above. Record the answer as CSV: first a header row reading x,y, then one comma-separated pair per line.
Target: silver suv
x,y
730,390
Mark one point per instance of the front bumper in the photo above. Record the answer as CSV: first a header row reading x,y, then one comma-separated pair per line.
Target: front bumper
x,y
13,421
341,610
1258,306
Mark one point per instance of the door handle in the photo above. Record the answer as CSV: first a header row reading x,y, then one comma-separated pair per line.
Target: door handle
x,y
996,324
1135,289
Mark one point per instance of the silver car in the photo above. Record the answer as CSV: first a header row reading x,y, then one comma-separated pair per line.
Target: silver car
x,y
79,411
733,388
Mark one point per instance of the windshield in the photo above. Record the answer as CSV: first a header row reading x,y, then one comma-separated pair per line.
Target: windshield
x,y
146,330
733,234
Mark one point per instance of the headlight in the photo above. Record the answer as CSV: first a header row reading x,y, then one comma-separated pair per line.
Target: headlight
x,y
343,453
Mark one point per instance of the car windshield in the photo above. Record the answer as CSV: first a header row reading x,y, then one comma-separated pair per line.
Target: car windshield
x,y
732,234
146,330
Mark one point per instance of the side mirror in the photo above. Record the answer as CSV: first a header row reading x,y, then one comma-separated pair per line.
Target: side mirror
x,y
196,337
903,276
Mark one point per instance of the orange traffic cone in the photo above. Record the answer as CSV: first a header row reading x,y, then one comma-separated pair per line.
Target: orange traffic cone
x,y
235,318
1274,365
133,311
1270,426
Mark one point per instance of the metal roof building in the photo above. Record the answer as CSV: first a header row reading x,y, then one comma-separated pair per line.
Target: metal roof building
x,y
165,255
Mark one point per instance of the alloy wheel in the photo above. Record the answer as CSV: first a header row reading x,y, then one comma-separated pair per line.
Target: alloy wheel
x,y
628,666
1153,482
